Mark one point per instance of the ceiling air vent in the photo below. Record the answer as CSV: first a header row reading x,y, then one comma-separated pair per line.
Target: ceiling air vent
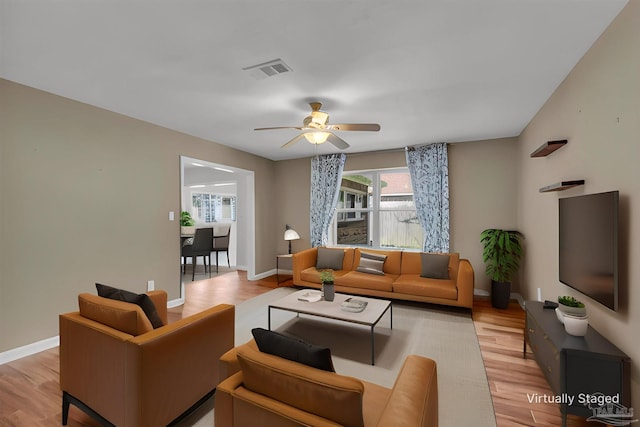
x,y
267,69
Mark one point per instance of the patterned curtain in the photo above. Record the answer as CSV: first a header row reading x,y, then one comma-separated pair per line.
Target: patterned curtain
x,y
326,174
429,170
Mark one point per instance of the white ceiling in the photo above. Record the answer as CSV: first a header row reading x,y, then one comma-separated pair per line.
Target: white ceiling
x,y
426,70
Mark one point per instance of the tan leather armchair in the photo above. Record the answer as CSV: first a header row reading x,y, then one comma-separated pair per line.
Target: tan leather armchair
x,y
270,391
121,371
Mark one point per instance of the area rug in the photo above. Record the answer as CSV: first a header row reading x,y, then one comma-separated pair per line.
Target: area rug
x,y
446,335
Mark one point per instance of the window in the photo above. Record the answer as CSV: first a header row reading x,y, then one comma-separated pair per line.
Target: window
x,y
214,207
376,208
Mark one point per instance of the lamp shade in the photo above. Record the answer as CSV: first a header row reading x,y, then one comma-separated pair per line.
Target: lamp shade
x,y
291,234
316,137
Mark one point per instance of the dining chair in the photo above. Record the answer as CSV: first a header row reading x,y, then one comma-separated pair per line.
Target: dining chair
x,y
201,245
221,244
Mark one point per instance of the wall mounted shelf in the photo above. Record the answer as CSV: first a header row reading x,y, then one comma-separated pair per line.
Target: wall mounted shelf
x,y
548,148
562,185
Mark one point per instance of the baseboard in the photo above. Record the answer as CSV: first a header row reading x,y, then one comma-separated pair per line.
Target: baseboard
x,y
175,303
46,344
514,295
29,349
481,292
263,275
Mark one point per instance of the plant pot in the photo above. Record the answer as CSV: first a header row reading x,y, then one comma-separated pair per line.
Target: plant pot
x,y
573,311
576,325
328,291
188,230
500,294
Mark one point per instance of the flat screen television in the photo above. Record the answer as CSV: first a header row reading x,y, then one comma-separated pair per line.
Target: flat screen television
x,y
589,246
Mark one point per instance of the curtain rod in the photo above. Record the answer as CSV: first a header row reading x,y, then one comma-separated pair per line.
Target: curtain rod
x,y
362,153
392,150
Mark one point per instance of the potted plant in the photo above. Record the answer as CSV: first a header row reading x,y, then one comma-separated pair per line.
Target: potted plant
x,y
187,224
502,253
326,277
573,314
569,305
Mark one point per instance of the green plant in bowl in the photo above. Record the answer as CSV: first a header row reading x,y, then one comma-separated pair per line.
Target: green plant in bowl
x,y
327,289
186,220
326,276
570,305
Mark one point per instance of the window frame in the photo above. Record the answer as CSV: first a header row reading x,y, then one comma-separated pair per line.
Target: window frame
x,y
373,208
216,202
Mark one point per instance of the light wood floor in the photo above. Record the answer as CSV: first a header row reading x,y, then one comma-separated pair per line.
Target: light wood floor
x,y
30,394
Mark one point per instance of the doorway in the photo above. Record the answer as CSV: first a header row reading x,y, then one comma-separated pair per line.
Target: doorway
x,y
221,197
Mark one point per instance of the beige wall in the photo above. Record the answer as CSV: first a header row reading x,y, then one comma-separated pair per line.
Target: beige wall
x,y
483,178
481,194
86,196
597,108
293,178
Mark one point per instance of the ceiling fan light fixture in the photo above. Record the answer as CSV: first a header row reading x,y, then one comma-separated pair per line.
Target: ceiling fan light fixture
x,y
319,117
317,137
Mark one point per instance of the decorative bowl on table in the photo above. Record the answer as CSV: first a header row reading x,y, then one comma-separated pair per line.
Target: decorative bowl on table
x,y
576,325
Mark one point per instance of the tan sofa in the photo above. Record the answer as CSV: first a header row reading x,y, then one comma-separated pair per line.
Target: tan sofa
x,y
120,370
401,279
270,391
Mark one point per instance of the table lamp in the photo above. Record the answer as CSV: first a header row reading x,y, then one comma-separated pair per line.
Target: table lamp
x,y
290,234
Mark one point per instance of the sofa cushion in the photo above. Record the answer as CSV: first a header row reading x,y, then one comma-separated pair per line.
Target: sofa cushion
x,y
312,274
371,263
141,300
293,349
414,284
356,279
326,394
123,316
434,266
412,263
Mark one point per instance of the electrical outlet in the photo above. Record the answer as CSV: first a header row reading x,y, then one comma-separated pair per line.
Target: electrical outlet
x,y
151,285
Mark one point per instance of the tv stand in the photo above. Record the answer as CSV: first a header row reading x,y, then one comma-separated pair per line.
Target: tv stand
x,y
575,366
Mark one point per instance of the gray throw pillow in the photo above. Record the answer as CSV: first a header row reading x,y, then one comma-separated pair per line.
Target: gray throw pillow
x,y
371,263
435,266
141,300
293,349
329,259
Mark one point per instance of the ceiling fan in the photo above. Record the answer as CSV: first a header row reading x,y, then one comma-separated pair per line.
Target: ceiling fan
x,y
317,130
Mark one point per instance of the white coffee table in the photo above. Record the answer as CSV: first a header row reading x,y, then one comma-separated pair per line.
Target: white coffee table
x,y
370,316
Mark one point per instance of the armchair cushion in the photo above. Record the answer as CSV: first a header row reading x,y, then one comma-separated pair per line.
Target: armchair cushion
x,y
122,316
141,300
325,394
293,349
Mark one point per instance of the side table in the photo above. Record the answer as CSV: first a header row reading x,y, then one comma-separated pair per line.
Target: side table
x,y
284,262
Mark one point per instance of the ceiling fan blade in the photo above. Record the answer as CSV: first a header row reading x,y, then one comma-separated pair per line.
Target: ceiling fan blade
x,y
281,127
293,141
337,141
373,127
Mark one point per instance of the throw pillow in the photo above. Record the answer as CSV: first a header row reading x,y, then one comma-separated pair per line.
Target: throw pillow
x,y
293,349
435,266
141,300
329,259
371,263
